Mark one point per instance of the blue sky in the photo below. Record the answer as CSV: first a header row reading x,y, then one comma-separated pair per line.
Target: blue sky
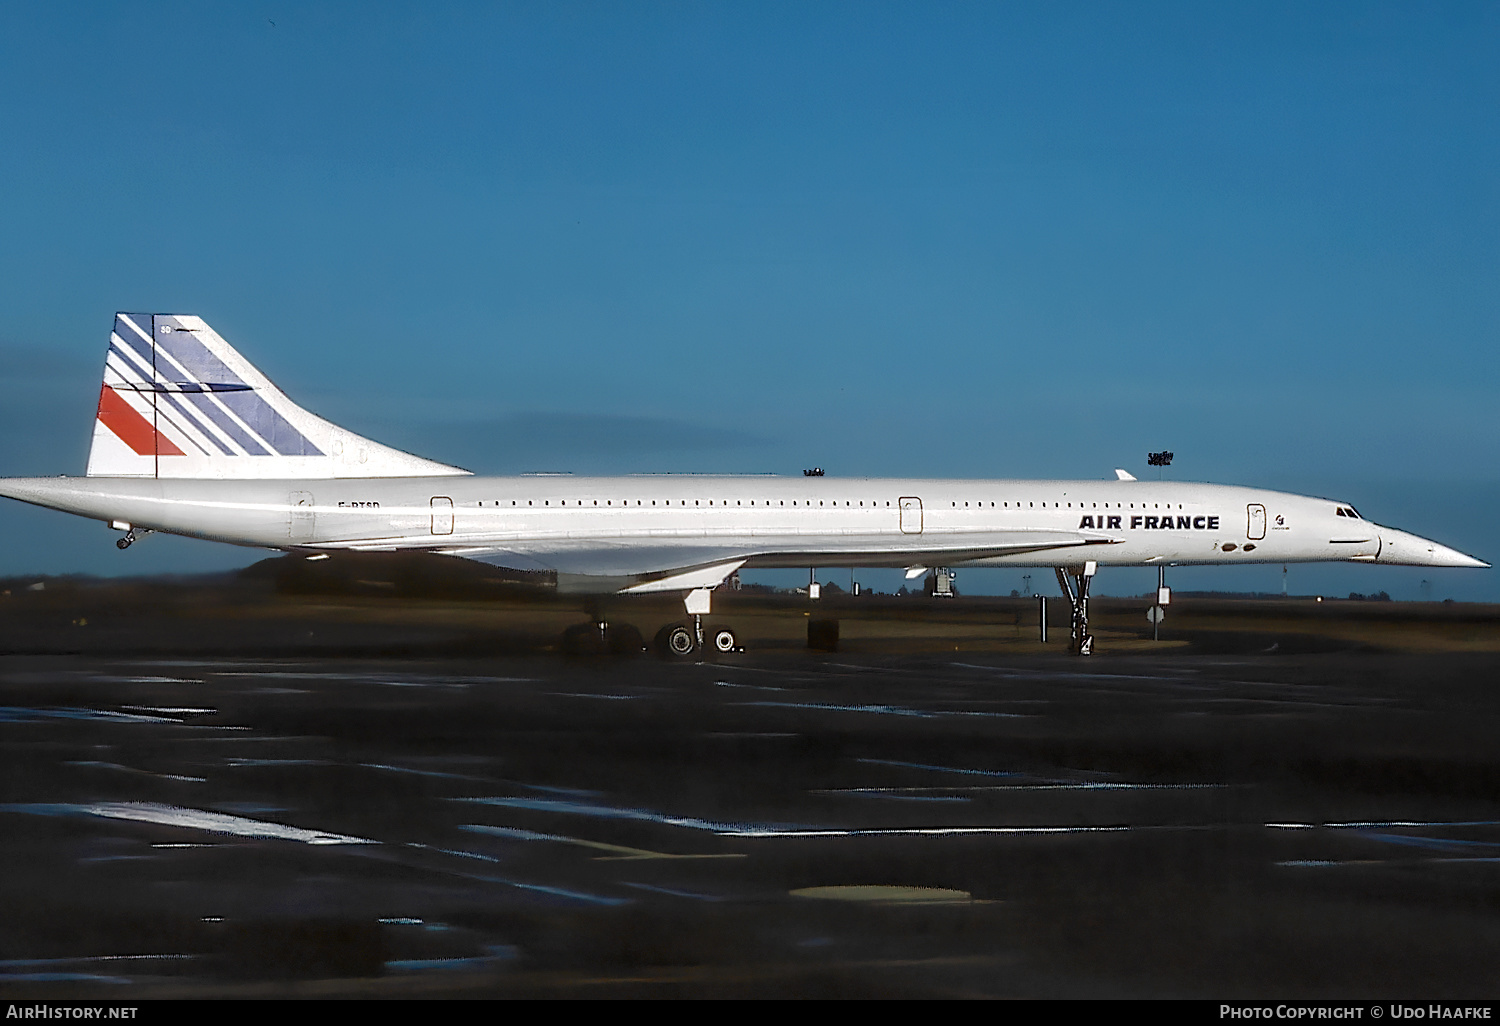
x,y
946,239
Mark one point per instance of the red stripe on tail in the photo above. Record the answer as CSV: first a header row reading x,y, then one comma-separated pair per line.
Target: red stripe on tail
x,y
131,428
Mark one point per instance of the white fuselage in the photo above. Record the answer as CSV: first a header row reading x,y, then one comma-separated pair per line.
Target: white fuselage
x,y
768,521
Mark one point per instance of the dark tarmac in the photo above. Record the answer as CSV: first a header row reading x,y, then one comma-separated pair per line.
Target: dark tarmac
x,y
200,799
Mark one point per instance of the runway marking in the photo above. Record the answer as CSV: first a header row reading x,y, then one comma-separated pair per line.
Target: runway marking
x,y
602,811
18,714
29,963
214,822
890,710
115,858
1439,843
1041,784
240,763
929,831
557,892
1366,824
420,773
131,769
752,687
459,852
1474,859
584,694
620,852
185,710
592,899
671,892
892,793
409,965
743,830
941,769
580,792
186,844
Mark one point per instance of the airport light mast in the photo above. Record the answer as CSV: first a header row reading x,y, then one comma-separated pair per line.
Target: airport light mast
x,y
1158,611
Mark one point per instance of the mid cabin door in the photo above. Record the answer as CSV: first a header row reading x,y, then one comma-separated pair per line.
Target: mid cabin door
x,y
301,525
442,515
911,515
1255,528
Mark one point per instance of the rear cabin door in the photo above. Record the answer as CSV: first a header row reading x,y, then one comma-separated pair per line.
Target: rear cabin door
x,y
301,526
1256,526
911,515
442,515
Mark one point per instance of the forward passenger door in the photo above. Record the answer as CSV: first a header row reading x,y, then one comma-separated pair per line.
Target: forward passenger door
x,y
911,515
1255,528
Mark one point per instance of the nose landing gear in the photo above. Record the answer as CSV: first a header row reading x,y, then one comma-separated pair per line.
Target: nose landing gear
x,y
1081,642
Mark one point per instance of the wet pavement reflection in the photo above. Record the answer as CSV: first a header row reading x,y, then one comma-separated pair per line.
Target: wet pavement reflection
x,y
1321,824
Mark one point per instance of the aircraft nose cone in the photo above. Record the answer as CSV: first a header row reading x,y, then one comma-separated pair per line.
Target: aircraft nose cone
x,y
1452,557
1409,550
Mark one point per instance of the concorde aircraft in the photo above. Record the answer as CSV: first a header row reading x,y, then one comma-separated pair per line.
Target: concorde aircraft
x,y
191,439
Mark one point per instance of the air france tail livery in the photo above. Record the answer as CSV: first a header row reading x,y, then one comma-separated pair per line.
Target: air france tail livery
x,y
191,439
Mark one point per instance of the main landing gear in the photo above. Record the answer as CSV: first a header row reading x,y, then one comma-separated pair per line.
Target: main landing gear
x,y
681,640
1081,641
600,636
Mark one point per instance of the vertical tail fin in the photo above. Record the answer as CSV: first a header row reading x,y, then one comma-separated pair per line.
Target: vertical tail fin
x,y
179,401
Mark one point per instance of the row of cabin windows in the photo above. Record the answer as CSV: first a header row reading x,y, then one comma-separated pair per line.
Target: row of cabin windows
x,y
782,502
1092,505
681,502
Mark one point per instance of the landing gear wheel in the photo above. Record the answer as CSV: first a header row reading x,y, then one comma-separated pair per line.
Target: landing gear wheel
x,y
622,639
598,639
676,641
583,640
723,640
123,543
1087,648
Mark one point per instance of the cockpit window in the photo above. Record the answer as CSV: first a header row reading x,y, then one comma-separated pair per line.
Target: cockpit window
x,y
1348,511
1354,513
1340,511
